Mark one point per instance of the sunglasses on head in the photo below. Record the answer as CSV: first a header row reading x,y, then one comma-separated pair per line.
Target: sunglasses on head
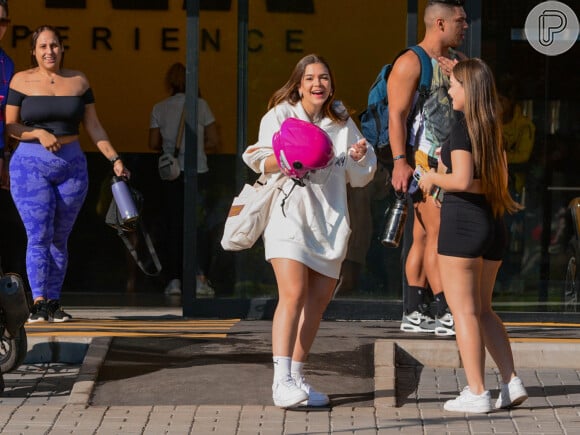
x,y
448,2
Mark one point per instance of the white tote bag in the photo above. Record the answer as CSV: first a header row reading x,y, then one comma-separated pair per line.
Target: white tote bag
x,y
250,212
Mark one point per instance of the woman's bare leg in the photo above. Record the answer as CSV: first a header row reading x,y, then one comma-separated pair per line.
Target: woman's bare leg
x,y
461,281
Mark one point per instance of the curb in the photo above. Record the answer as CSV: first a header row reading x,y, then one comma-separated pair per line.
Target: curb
x,y
392,355
95,357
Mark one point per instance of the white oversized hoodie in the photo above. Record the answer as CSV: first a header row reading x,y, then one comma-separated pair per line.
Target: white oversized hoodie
x,y
310,223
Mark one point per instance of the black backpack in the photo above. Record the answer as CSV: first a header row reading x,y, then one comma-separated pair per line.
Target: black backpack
x,y
375,118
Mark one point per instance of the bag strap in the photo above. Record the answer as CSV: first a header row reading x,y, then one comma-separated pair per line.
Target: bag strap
x,y
150,248
424,88
179,133
426,71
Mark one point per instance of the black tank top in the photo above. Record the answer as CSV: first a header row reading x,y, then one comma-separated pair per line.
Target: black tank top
x,y
59,115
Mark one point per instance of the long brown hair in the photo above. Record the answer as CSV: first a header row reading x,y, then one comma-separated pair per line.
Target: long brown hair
x,y
289,92
483,119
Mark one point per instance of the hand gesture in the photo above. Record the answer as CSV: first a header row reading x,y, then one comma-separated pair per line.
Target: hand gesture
x,y
358,150
446,64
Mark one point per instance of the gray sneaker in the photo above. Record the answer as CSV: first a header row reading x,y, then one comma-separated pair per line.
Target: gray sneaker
x,y
417,322
444,325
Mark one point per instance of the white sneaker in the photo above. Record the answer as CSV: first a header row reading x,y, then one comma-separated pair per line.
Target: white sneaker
x,y
173,288
286,393
417,322
511,394
204,290
469,402
315,398
444,325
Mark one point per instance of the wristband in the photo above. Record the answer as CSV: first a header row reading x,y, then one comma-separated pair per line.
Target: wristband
x,y
114,159
399,157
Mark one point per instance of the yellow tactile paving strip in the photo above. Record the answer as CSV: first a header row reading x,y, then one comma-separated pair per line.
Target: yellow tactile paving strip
x,y
546,332
133,328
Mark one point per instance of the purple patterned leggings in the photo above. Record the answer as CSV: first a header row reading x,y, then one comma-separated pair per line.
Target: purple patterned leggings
x,y
48,190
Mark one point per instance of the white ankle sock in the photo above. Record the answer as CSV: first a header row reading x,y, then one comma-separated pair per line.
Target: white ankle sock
x,y
281,366
296,369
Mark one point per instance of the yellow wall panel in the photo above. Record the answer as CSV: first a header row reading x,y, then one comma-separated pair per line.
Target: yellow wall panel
x,y
125,54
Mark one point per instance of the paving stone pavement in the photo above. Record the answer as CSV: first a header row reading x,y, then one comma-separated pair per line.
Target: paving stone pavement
x,y
35,402
37,399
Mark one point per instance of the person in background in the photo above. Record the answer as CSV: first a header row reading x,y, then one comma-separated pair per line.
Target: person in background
x,y
519,133
163,131
472,237
13,236
48,170
7,71
445,26
7,66
307,233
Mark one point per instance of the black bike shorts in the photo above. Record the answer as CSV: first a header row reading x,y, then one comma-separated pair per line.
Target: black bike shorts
x,y
468,228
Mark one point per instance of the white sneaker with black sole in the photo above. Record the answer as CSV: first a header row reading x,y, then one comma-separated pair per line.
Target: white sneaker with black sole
x,y
469,402
445,325
315,398
512,394
286,393
417,322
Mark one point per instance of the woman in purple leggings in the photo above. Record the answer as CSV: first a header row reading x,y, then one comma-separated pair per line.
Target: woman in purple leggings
x,y
48,171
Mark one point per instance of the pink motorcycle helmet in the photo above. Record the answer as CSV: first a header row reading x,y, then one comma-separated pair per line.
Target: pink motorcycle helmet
x,y
301,147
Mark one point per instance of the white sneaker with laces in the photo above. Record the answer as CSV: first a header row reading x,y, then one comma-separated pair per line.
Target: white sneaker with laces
x,y
173,288
315,398
511,394
469,402
286,393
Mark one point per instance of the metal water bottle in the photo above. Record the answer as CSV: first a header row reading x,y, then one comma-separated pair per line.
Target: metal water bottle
x,y
396,215
124,200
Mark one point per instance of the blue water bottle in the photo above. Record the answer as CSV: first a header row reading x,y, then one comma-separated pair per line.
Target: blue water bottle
x,y
124,200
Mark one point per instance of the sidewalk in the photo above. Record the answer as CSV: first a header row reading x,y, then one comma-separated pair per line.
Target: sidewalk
x,y
221,385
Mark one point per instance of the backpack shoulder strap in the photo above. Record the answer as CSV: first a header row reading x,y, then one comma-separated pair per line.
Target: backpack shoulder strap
x,y
426,70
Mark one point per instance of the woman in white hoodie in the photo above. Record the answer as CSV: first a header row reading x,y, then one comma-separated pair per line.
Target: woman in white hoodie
x,y
307,235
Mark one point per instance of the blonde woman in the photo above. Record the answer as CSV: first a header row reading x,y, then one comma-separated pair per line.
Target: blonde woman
x,y
472,236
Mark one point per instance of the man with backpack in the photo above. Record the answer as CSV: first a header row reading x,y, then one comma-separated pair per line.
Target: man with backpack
x,y
418,146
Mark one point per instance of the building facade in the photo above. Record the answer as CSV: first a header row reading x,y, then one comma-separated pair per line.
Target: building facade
x,y
126,46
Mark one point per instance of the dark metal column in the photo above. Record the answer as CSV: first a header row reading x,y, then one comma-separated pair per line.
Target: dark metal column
x,y
473,41
190,171
242,108
242,102
412,22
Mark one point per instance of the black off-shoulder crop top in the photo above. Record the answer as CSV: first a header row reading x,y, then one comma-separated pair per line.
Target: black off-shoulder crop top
x,y
60,115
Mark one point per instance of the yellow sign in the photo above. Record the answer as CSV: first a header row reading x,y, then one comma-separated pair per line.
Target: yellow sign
x,y
125,47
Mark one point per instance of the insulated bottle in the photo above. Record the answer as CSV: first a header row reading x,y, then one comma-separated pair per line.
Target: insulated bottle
x,y
396,215
124,200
